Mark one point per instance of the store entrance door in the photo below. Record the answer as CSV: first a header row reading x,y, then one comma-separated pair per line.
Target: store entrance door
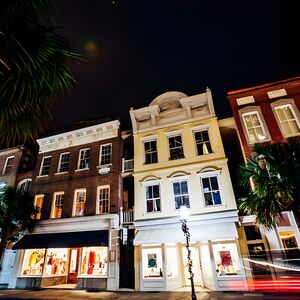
x,y
73,265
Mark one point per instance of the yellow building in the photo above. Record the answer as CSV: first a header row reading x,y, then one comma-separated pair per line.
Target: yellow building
x,y
180,161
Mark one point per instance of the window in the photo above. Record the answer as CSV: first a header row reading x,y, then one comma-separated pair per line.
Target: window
x,y
181,193
152,264
80,198
175,147
24,185
38,204
254,127
211,192
152,198
103,199
202,142
56,262
45,166
33,262
150,152
105,154
288,120
58,205
64,162
84,159
8,165
252,233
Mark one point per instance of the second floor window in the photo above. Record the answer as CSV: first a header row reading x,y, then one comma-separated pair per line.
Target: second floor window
x,y
175,147
211,191
38,204
64,162
255,130
8,165
150,152
103,199
58,203
105,154
153,198
181,193
84,159
80,198
202,142
45,166
288,120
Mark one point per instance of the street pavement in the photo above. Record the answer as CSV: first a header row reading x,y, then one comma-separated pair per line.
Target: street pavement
x,y
56,294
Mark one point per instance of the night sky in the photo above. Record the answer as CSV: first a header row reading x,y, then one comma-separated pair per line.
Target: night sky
x,y
139,49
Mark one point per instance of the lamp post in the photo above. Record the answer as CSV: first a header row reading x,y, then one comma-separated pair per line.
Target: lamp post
x,y
183,219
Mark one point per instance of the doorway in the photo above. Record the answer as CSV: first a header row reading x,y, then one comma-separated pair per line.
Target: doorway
x,y
73,265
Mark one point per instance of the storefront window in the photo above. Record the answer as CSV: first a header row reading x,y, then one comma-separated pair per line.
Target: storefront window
x,y
152,263
94,261
33,262
56,262
172,262
226,259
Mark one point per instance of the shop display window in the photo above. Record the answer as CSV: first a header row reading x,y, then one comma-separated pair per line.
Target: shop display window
x,y
33,262
226,259
56,262
94,261
172,262
152,263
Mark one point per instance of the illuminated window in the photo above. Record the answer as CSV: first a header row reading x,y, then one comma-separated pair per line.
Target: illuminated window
x,y
152,263
175,147
58,205
105,154
202,142
8,165
64,162
181,193
84,159
45,166
254,127
152,198
150,152
33,262
103,199
289,122
210,189
38,204
56,262
80,198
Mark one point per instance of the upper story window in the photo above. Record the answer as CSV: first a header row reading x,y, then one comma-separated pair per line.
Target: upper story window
x,y
210,190
288,120
254,126
24,185
58,203
150,149
181,193
45,166
64,162
175,147
80,199
105,154
8,165
103,197
84,159
202,142
38,204
152,192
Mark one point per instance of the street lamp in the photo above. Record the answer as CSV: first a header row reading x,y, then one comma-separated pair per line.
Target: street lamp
x,y
184,214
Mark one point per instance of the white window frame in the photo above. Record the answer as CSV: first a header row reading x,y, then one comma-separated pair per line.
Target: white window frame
x,y
75,202
209,140
35,200
251,111
53,203
100,156
144,150
59,164
27,182
294,110
79,159
209,174
5,165
98,200
180,178
146,184
42,164
173,135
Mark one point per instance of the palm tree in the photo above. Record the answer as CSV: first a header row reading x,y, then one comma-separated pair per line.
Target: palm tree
x,y
33,69
17,215
270,190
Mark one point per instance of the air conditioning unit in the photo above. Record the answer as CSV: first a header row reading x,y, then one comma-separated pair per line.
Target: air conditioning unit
x,y
103,169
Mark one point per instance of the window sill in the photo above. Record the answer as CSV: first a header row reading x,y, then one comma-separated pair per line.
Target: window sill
x,y
61,173
103,166
41,176
92,276
214,205
79,170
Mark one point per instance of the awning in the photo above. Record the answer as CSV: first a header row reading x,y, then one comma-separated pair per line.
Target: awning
x,y
63,240
218,231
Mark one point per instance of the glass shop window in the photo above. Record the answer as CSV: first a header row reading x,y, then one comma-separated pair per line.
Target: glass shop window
x,y
172,262
56,261
33,262
152,263
94,261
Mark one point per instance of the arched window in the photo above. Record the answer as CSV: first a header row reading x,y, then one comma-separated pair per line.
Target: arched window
x,y
24,185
